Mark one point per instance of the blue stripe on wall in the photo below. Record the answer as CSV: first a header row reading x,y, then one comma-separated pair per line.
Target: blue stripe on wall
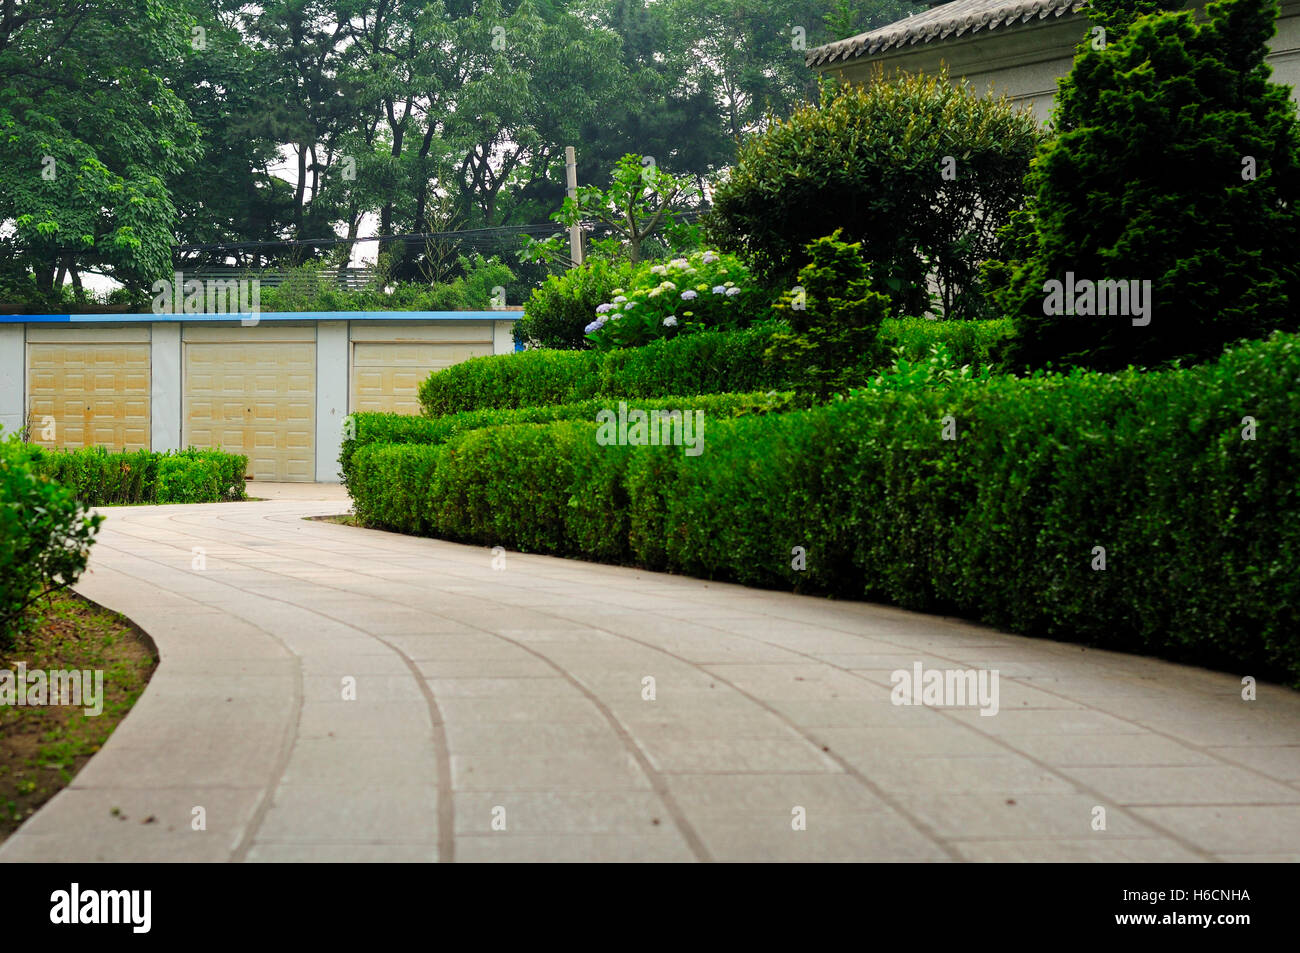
x,y
264,316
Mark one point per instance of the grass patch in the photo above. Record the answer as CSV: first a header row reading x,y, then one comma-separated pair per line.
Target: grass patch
x,y
43,748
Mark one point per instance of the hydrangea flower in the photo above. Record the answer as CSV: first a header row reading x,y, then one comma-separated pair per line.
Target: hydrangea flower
x,y
689,295
719,289
670,321
594,326
619,300
679,263
629,306
709,258
668,286
659,270
602,308
732,291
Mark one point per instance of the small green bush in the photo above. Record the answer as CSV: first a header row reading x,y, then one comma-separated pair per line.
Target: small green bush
x,y
45,535
834,320
558,311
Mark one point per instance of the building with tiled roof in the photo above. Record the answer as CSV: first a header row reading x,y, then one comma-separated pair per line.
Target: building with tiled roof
x,y
1017,47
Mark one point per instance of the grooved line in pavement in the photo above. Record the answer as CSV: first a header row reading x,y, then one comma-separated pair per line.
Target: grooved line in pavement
x,y
656,779
446,817
657,782
445,805
894,802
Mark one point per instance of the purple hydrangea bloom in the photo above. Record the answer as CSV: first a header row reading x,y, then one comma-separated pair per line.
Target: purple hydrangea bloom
x,y
602,308
689,295
732,291
594,326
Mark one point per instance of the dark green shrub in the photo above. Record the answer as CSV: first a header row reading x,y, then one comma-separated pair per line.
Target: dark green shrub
x,y
920,171
558,311
699,364
390,485
45,535
834,320
1177,165
371,428
99,477
713,362
477,483
1186,479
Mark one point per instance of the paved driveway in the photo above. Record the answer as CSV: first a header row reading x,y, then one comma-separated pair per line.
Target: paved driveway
x,y
331,693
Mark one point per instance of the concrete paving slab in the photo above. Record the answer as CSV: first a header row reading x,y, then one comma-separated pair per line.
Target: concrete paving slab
x,y
522,690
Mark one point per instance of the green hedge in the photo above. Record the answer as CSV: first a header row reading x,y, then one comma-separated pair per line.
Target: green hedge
x,y
101,478
1201,528
708,363
368,428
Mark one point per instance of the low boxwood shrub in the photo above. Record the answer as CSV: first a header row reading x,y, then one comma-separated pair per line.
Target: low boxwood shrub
x,y
370,428
707,363
45,534
99,477
1151,512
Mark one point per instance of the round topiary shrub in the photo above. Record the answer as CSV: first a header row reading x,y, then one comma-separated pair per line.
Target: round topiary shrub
x,y
921,172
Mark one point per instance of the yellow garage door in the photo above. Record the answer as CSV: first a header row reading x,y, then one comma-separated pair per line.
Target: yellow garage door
x,y
82,395
258,399
385,377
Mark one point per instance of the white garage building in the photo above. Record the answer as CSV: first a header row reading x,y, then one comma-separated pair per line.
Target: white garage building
x,y
276,390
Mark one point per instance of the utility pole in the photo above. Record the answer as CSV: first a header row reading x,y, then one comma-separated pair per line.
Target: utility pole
x,y
571,180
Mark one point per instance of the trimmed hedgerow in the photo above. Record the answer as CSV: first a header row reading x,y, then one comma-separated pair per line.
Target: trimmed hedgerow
x,y
707,363
99,477
1006,523
368,428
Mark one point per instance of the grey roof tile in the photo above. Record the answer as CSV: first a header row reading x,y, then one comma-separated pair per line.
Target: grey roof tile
x,y
958,18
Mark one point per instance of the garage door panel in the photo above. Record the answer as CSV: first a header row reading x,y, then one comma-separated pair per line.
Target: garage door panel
x,y
258,399
386,376
97,394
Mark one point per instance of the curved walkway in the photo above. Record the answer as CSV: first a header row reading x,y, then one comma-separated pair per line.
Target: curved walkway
x,y
504,713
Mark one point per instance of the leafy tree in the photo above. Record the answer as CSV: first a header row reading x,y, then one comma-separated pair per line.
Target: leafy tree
x,y
90,129
640,201
1177,162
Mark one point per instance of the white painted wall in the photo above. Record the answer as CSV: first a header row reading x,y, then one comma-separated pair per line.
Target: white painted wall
x,y
331,397
13,370
503,341
165,386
